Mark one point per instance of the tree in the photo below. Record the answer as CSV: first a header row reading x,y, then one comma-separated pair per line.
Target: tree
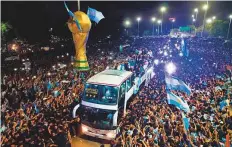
x,y
5,27
217,28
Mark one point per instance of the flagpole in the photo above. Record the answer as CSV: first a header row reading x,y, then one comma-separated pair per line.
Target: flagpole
x,y
79,5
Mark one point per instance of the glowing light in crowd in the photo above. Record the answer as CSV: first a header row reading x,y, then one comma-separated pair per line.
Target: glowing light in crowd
x,y
194,19
49,74
15,69
181,54
195,10
214,17
62,56
67,54
84,129
192,16
159,21
170,68
14,47
72,63
156,61
165,53
58,57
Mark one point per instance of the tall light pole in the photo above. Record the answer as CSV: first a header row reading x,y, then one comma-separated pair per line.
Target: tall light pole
x,y
162,9
127,23
159,22
153,25
196,13
205,8
230,17
138,19
173,20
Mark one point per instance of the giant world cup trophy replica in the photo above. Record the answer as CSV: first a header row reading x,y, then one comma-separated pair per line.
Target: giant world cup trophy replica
x,y
80,37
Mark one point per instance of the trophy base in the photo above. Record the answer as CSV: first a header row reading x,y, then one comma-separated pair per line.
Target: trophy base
x,y
81,65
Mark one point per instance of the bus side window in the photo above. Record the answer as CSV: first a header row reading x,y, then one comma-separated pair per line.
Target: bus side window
x,y
128,83
122,90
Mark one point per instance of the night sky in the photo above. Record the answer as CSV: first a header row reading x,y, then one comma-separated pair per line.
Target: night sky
x,y
32,20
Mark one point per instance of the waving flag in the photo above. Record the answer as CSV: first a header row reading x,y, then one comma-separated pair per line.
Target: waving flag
x,y
95,15
185,121
177,101
49,85
72,15
185,51
223,104
174,83
120,48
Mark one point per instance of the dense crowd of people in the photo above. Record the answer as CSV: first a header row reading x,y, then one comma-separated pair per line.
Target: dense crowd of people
x,y
42,102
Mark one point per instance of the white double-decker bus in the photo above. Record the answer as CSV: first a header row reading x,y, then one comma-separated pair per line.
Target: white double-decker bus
x,y
105,99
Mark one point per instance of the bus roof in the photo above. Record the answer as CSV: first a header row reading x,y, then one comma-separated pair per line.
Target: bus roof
x,y
110,77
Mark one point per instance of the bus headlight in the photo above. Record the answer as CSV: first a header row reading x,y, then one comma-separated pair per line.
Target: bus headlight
x,y
110,135
84,129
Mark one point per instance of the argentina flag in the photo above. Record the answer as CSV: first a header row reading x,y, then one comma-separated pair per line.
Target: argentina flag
x,y
185,121
177,101
174,83
94,15
184,48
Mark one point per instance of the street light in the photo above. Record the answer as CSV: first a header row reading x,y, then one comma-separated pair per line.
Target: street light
x,y
127,24
162,9
159,22
196,10
153,24
214,17
138,19
230,17
205,8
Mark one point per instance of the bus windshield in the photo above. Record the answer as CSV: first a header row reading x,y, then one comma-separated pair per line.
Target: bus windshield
x,y
101,94
97,118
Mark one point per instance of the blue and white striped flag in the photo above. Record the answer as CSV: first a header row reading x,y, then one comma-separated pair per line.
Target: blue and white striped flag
x,y
174,83
185,121
95,15
177,101
73,16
